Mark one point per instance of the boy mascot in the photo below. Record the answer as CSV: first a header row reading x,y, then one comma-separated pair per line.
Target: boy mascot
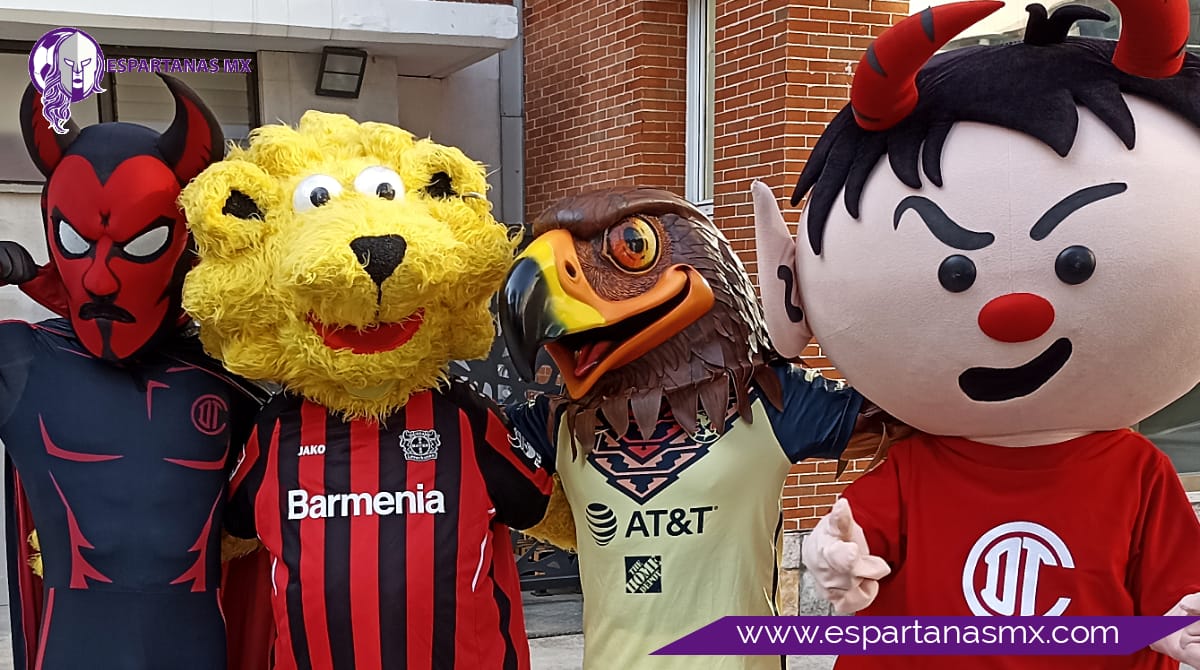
x,y
680,423
1008,220
351,264
119,427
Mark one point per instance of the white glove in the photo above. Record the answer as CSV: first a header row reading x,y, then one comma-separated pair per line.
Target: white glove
x,y
1184,645
837,555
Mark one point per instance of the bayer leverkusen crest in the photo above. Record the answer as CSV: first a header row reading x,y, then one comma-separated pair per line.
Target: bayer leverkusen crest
x,y
420,445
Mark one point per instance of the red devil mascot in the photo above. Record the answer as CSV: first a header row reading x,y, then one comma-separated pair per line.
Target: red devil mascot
x,y
118,429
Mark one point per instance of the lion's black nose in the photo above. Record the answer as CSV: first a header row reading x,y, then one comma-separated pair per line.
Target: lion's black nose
x,y
379,255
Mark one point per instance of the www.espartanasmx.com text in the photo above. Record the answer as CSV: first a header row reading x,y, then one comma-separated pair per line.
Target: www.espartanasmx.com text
x,y
869,635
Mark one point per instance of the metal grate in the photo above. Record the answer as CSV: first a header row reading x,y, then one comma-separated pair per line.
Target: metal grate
x,y
541,566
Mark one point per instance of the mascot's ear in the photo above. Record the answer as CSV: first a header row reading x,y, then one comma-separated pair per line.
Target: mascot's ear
x,y
777,276
45,146
227,206
195,140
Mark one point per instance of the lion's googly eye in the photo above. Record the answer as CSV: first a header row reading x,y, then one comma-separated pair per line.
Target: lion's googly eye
x,y
380,181
314,191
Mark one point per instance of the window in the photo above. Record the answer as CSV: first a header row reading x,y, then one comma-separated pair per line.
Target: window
x,y
1176,430
133,97
15,165
1112,29
701,49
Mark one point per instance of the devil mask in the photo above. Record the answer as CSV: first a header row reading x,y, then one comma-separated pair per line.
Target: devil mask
x,y
116,236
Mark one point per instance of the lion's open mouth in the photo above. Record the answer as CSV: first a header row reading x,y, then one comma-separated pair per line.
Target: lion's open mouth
x,y
372,339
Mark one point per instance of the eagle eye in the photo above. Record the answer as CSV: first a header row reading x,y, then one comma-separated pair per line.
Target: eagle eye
x,y
632,244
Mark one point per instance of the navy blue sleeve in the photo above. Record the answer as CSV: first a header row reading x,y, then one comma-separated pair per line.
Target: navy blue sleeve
x,y
818,414
532,420
16,356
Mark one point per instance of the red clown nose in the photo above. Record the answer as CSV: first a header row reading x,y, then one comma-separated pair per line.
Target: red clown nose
x,y
1016,317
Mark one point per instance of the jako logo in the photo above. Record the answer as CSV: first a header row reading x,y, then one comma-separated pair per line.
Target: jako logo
x,y
602,522
1000,577
312,449
66,66
384,503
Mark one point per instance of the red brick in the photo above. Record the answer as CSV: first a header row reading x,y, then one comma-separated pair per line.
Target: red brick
x,y
606,104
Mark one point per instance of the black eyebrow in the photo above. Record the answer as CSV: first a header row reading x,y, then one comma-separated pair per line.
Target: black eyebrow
x,y
943,227
1067,206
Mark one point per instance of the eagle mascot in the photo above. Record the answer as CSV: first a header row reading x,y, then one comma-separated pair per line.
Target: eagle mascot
x,y
679,423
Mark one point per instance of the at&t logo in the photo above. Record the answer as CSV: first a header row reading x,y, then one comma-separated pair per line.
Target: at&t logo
x,y
1009,558
602,522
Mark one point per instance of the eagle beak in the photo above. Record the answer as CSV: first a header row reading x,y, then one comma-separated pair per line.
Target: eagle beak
x,y
534,307
547,298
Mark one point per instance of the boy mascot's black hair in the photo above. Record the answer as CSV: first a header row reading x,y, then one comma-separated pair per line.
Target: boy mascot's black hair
x,y
1034,87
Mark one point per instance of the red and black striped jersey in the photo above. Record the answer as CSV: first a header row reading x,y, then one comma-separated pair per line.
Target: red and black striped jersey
x,y
389,541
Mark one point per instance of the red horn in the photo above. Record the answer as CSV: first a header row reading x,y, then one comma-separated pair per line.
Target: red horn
x,y
194,140
1153,36
885,83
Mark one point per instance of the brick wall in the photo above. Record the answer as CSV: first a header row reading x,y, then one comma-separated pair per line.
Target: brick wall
x,y
783,69
605,96
605,101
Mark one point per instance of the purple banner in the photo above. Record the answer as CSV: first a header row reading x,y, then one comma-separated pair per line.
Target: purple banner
x,y
926,636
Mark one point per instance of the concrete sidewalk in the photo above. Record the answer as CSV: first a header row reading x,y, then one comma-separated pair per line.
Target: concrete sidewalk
x,y
555,642
555,624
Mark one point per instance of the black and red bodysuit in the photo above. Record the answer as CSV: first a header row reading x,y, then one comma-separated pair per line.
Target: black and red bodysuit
x,y
120,430
124,469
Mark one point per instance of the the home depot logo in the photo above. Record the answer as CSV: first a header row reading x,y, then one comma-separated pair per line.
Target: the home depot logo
x,y
643,574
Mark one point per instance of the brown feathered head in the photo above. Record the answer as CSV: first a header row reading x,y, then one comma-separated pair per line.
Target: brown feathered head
x,y
636,296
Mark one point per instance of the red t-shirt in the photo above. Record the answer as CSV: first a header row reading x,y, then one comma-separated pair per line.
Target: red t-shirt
x,y
1097,526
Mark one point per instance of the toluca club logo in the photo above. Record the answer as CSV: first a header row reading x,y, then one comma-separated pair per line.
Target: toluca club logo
x,y
1001,575
210,414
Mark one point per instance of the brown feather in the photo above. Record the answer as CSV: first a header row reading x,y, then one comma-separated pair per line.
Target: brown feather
x,y
571,415
714,397
683,409
841,468
768,383
616,414
741,385
646,408
586,425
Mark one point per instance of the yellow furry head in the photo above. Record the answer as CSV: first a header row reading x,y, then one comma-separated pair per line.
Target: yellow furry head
x,y
348,262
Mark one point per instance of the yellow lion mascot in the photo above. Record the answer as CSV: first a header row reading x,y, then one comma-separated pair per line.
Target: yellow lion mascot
x,y
351,263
